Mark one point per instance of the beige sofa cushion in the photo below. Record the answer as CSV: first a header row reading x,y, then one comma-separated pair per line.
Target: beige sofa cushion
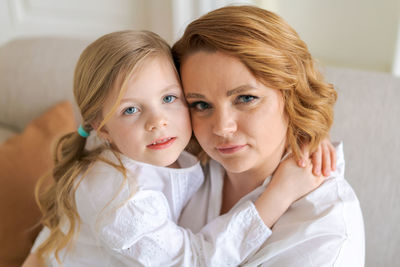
x,y
35,73
367,119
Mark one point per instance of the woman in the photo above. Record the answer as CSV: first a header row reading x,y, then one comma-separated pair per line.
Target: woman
x,y
254,96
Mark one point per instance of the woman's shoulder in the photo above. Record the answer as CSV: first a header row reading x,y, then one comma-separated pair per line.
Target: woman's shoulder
x,y
335,190
335,195
326,225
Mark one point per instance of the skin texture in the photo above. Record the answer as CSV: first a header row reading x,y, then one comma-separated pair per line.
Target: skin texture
x,y
150,110
241,124
233,109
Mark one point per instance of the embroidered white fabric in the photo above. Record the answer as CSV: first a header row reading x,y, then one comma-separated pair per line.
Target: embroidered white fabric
x,y
132,222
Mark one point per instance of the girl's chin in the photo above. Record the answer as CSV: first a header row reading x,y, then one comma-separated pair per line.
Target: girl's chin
x,y
174,165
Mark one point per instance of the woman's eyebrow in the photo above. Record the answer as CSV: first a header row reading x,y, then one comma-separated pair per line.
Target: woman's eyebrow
x,y
237,90
240,89
194,95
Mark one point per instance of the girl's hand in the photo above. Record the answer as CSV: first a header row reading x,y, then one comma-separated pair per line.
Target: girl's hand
x,y
289,183
295,182
323,159
32,261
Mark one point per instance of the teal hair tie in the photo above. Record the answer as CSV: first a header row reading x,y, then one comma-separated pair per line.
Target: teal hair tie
x,y
82,132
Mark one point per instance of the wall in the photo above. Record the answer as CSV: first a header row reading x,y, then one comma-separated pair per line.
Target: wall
x,y
350,33
84,19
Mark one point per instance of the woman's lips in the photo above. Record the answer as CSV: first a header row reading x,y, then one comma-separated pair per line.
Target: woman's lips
x,y
230,149
162,143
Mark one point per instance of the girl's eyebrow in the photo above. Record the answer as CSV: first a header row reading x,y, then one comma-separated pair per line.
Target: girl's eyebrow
x,y
127,100
169,87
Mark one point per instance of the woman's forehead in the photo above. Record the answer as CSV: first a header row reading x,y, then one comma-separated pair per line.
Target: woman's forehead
x,y
205,71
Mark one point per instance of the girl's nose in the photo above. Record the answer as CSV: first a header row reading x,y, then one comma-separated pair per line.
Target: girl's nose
x,y
156,121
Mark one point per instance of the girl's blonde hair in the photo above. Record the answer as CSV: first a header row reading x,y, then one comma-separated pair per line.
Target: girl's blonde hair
x,y
275,55
105,64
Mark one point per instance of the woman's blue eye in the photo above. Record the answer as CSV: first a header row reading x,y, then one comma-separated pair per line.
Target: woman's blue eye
x,y
131,110
246,98
169,98
199,105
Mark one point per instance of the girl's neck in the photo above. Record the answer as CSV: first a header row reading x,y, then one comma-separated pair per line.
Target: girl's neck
x,y
175,165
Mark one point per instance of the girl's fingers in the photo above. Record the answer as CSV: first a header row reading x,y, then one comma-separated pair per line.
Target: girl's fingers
x,y
305,155
316,161
326,159
333,156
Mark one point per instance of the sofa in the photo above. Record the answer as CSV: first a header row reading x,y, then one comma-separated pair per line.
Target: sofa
x,y
36,78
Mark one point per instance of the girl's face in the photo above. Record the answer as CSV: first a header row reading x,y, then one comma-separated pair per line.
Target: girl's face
x,y
151,123
237,120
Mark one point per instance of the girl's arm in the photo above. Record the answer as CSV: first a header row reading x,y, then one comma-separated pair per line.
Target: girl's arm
x,y
288,184
215,243
286,187
141,231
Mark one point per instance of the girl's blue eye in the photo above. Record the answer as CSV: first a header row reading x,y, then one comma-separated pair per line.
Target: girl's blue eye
x,y
169,99
131,110
199,105
246,98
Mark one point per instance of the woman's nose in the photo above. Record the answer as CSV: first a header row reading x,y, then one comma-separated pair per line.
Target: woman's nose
x,y
155,121
224,123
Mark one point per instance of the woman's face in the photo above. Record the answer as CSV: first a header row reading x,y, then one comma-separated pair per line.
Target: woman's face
x,y
237,120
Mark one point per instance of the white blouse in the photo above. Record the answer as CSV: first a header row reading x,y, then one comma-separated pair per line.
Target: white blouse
x,y
324,228
132,222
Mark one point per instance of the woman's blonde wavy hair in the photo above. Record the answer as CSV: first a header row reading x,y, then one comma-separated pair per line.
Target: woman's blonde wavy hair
x,y
105,64
275,55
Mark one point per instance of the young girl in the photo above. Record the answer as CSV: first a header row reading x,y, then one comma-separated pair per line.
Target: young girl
x,y
117,203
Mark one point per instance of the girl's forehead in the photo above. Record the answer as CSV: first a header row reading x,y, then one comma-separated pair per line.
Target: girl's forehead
x,y
135,71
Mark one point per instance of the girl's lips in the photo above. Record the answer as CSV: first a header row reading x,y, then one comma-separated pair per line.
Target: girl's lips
x,y
162,143
230,149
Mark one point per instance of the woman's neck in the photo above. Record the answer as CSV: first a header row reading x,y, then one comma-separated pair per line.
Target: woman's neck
x,y
237,185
